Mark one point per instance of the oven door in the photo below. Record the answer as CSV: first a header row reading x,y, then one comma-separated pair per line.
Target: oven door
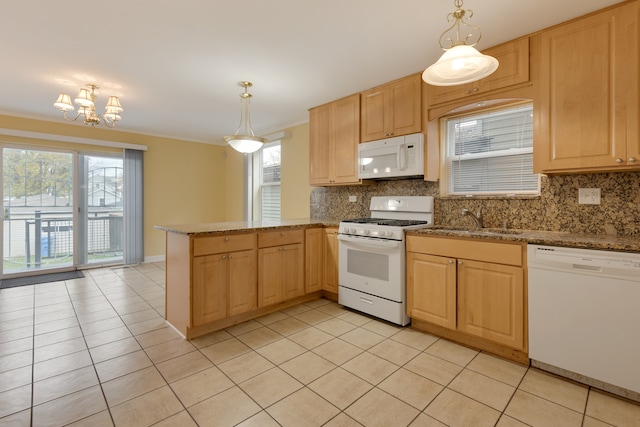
x,y
373,266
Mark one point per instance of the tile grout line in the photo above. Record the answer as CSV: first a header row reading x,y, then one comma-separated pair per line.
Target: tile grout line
x,y
153,363
93,364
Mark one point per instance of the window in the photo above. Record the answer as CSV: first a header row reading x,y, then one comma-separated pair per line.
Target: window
x,y
490,153
267,182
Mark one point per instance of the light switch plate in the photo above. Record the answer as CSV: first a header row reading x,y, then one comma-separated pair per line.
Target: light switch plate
x,y
353,199
589,196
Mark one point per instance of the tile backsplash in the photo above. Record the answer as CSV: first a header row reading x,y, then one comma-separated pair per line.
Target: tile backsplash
x,y
556,209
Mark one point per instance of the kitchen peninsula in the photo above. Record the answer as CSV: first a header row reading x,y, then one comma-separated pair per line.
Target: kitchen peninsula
x,y
220,274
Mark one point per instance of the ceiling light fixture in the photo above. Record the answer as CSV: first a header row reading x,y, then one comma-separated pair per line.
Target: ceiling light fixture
x,y
246,141
86,107
461,62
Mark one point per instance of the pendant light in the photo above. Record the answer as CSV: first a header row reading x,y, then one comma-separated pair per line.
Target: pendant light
x,y
86,107
461,62
244,140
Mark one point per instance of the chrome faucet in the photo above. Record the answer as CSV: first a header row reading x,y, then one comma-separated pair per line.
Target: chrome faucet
x,y
477,217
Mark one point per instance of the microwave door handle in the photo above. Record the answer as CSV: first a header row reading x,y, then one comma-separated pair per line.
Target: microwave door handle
x,y
402,158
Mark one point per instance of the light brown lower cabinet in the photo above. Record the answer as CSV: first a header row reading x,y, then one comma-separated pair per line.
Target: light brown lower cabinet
x,y
313,259
473,287
224,283
330,279
216,280
321,261
281,267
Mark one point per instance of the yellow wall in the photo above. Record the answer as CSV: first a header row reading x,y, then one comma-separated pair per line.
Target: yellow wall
x,y
294,177
184,182
234,185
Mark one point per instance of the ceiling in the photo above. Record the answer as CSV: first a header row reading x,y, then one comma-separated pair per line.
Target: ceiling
x,y
177,64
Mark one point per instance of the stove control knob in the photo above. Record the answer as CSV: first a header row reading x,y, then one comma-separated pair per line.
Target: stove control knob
x,y
366,232
382,233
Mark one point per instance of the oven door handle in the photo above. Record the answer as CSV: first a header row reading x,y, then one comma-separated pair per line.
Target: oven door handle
x,y
366,241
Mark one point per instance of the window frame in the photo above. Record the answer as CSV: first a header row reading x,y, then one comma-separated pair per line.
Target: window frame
x,y
258,183
448,156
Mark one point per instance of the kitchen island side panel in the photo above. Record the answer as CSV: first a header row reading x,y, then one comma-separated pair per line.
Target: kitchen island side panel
x,y
178,282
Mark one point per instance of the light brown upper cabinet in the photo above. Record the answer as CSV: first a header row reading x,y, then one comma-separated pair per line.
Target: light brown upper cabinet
x,y
513,69
587,97
333,142
393,109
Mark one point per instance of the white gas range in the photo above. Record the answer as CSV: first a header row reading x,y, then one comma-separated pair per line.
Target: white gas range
x,y
371,250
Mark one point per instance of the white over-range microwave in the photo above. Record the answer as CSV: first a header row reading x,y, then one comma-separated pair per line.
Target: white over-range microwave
x,y
400,156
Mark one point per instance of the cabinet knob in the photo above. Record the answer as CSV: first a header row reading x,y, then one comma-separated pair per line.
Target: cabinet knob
x,y
226,239
459,262
619,160
450,261
224,257
632,159
475,89
229,257
282,233
388,134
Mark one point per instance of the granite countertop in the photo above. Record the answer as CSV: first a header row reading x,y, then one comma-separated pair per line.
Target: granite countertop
x,y
551,238
225,227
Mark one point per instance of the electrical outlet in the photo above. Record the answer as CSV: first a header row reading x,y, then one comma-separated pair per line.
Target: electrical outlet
x,y
589,196
353,199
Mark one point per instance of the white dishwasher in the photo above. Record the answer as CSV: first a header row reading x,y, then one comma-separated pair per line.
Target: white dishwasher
x,y
584,316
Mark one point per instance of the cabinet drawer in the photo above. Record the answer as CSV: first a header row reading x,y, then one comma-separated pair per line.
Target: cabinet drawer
x,y
223,243
278,238
500,253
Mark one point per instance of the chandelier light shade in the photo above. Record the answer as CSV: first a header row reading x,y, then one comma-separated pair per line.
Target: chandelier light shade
x,y
461,62
86,107
244,140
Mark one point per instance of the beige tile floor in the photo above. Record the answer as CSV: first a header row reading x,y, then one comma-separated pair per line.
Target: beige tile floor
x,y
97,352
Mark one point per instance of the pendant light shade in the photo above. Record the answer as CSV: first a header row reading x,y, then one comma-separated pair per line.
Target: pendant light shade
x,y
244,140
458,65
245,144
461,63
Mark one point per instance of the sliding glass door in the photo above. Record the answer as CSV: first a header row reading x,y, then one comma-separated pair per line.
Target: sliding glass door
x,y
61,210
38,202
100,202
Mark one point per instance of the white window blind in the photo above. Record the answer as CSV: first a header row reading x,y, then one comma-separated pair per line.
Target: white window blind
x,y
270,181
490,153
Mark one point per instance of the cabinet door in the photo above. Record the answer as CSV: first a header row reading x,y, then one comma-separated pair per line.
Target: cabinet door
x,y
346,129
431,289
313,259
334,134
406,107
292,271
513,69
393,109
243,282
588,93
331,260
320,149
209,292
375,124
269,276
491,302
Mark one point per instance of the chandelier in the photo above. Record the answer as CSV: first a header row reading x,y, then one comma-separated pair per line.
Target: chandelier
x,y
461,62
244,140
86,107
